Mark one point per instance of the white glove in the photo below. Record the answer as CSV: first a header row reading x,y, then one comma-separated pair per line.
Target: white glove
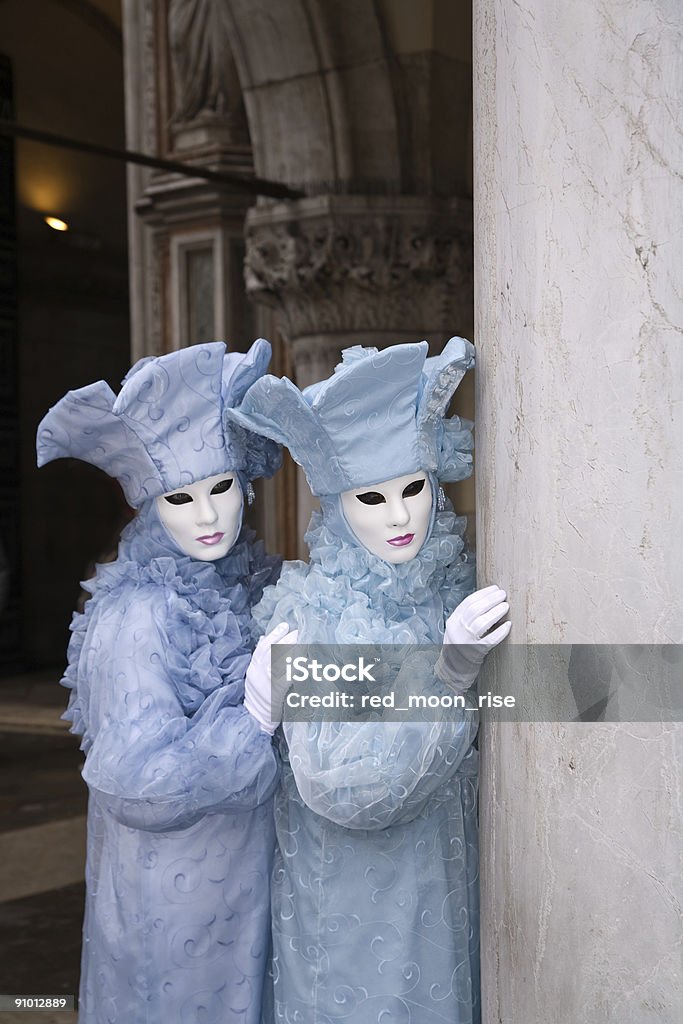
x,y
262,700
466,639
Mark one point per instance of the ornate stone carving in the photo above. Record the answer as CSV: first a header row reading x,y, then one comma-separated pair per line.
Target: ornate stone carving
x,y
363,264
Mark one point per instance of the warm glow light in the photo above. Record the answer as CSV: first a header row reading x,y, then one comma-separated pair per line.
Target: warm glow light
x,y
57,223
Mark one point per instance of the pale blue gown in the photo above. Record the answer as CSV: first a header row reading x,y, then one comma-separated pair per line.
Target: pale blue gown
x,y
181,777
375,888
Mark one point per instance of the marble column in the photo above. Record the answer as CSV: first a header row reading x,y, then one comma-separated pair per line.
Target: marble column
x,y
578,250
359,270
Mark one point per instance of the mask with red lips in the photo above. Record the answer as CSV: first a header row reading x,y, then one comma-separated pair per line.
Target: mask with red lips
x,y
204,518
391,519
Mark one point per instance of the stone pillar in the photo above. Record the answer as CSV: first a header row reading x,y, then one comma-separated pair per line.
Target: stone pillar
x,y
359,270
578,228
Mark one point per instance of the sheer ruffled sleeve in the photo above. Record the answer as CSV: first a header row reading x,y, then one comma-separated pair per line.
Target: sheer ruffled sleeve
x,y
372,774
157,768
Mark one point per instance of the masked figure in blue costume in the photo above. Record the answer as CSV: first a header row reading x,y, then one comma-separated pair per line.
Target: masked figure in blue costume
x,y
375,903
181,776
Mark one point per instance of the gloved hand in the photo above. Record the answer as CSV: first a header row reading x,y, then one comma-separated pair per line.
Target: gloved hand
x,y
262,700
466,639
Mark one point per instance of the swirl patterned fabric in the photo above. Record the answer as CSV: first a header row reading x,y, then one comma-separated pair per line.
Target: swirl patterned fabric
x,y
180,833
169,424
375,888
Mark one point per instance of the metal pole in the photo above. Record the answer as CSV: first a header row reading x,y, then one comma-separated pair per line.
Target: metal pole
x,y
254,186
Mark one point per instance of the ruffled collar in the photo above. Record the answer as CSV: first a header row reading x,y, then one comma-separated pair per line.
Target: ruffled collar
x,y
209,625
345,594
147,553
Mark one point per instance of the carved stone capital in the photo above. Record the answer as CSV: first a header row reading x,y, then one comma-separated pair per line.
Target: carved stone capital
x,y
363,263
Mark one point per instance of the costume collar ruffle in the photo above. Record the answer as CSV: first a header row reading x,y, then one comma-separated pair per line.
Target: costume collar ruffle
x,y
347,595
209,626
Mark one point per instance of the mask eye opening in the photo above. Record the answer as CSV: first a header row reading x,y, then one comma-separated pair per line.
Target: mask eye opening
x,y
371,498
414,488
179,498
222,486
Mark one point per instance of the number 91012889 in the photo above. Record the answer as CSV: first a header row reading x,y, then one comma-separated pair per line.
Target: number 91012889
x,y
35,1002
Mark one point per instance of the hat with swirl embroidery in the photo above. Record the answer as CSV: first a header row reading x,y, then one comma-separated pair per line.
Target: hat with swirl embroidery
x,y
168,426
380,415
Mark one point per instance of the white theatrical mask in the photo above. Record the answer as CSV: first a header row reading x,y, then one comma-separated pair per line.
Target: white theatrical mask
x,y
204,518
391,519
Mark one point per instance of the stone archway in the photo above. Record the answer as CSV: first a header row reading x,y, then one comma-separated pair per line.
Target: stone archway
x,y
341,100
303,66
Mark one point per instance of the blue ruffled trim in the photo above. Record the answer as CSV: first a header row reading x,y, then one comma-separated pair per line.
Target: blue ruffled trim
x,y
454,460
347,595
209,607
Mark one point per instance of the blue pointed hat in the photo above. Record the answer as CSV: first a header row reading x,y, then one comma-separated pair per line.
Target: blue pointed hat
x,y
168,426
380,415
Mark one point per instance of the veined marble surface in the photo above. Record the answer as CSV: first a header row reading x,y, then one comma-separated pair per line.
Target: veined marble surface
x,y
578,160
579,241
